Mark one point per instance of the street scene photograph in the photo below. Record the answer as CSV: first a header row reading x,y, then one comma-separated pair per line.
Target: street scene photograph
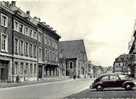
x,y
68,49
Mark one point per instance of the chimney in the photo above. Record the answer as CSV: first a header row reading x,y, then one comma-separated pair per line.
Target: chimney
x,y
37,19
13,3
28,13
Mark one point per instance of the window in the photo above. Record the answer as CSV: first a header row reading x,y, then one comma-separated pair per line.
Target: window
x,y
71,65
26,30
40,53
16,46
21,48
21,68
26,69
40,37
35,35
31,33
35,69
45,56
26,49
104,78
4,42
56,56
16,68
45,38
31,68
30,50
4,20
21,28
16,25
35,51
114,77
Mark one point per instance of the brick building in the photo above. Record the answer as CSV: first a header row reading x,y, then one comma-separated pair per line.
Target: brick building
x,y
23,47
73,58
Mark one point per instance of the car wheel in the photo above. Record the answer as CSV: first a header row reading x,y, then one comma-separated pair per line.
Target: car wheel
x,y
128,87
99,88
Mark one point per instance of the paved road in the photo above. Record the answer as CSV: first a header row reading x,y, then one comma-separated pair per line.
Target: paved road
x,y
52,90
109,93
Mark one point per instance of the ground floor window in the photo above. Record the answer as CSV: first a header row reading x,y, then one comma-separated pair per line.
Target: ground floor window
x,y
35,68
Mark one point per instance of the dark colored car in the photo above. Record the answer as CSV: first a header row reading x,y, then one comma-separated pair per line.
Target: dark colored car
x,y
112,80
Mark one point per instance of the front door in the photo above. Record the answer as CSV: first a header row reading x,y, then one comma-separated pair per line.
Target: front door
x,y
40,71
4,70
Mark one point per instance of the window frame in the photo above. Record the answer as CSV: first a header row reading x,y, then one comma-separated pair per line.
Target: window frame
x,y
6,23
6,42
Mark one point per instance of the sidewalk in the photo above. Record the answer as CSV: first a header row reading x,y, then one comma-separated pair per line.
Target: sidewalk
x,y
6,85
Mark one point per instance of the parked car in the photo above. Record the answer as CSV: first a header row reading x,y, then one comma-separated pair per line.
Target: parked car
x,y
112,80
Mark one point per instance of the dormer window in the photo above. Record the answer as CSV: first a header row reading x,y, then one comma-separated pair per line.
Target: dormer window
x,y
4,20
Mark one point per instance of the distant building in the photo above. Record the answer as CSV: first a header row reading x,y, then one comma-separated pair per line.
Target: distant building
x,y
121,64
73,58
97,70
108,69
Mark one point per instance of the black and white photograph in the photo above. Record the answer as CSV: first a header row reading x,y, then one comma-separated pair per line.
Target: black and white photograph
x,y
68,49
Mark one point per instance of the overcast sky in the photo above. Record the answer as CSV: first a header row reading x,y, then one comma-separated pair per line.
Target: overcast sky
x,y
105,25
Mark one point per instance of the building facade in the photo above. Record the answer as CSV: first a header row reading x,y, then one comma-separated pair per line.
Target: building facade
x,y
73,58
25,45
49,58
121,64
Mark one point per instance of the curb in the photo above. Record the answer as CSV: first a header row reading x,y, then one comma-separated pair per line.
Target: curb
x,y
29,83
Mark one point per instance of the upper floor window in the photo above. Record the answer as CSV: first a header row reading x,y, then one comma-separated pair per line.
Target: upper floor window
x,y
4,42
35,51
26,30
40,53
16,46
21,28
31,33
30,50
35,34
4,20
26,49
21,47
40,37
16,25
45,38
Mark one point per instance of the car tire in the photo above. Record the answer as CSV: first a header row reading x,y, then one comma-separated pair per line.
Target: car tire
x,y
128,87
99,88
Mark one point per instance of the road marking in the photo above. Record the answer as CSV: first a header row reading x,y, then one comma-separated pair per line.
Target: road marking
x,y
37,84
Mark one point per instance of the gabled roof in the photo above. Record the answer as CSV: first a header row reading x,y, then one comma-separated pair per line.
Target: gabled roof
x,y
72,49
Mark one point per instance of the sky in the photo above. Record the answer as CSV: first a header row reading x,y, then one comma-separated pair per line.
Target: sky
x,y
106,26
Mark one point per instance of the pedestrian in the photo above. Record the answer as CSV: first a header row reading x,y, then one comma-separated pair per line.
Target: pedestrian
x,y
17,79
74,77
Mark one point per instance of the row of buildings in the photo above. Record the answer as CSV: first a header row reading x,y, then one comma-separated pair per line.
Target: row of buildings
x,y
30,49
